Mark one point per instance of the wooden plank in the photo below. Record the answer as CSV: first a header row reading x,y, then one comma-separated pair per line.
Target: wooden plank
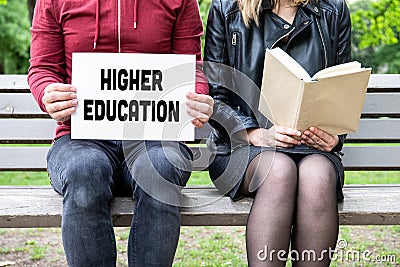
x,y
371,158
381,104
376,130
377,81
15,104
42,207
23,158
43,130
384,81
12,83
27,130
355,158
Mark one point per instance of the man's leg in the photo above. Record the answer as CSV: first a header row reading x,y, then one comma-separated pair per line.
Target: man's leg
x,y
158,175
81,171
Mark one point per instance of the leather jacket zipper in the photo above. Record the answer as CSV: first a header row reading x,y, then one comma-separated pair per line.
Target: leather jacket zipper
x,y
234,39
235,48
296,33
325,59
283,36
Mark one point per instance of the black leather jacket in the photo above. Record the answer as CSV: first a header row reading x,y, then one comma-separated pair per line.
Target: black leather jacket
x,y
318,38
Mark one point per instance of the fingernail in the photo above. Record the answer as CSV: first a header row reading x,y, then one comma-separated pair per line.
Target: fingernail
x,y
188,103
72,95
74,102
72,89
312,129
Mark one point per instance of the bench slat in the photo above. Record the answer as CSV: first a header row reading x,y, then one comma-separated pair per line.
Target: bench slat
x,y
27,130
355,158
376,130
12,83
42,207
372,158
43,130
377,81
15,104
384,81
376,104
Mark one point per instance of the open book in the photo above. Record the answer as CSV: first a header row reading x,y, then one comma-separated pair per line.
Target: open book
x,y
331,100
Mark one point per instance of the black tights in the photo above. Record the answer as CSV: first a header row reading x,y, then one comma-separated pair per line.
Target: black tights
x,y
294,203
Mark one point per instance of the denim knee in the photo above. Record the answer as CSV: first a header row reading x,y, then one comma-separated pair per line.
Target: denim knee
x,y
171,164
161,172
86,180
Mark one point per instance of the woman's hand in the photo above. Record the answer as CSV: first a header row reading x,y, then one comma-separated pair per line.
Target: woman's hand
x,y
319,139
60,101
276,136
200,107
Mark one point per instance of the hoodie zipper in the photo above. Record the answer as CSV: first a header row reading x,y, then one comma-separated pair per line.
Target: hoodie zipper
x,y
119,26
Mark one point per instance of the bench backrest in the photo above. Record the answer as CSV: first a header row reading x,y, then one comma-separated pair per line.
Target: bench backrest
x,y
23,123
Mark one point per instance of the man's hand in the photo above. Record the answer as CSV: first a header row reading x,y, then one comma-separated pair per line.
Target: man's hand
x,y
60,101
276,136
319,139
200,107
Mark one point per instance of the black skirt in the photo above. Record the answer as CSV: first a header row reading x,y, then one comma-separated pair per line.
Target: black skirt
x,y
227,171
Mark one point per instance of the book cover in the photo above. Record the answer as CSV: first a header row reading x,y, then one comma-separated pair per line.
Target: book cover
x,y
331,100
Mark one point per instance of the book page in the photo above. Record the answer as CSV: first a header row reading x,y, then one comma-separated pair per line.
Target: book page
x,y
281,91
289,63
337,70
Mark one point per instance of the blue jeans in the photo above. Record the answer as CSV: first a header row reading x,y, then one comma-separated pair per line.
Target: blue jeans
x,y
89,173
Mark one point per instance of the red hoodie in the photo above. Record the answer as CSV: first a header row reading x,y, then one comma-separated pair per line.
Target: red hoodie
x,y
61,27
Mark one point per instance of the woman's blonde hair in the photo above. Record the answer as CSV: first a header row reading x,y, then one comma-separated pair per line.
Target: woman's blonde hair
x,y
251,8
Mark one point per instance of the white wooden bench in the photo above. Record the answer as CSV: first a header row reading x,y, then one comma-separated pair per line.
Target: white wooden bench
x,y
22,123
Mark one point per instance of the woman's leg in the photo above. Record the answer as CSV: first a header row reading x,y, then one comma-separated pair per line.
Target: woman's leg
x,y
82,172
274,176
316,218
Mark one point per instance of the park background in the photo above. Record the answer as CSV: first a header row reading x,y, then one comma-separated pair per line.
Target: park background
x,y
375,43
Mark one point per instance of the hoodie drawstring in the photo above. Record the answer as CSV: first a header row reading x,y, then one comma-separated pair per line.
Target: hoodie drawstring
x,y
135,13
96,34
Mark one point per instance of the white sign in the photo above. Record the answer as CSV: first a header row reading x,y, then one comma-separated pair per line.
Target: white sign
x,y
132,96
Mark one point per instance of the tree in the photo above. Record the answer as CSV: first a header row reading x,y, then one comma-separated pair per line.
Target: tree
x,y
14,37
376,34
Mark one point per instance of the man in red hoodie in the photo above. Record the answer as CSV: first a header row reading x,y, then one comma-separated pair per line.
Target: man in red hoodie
x,y
89,173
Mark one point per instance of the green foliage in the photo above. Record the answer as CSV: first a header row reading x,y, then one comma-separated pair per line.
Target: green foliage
x,y
376,34
14,37
3,2
204,7
379,23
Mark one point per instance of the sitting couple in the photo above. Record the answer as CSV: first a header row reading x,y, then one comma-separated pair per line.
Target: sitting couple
x,y
295,178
